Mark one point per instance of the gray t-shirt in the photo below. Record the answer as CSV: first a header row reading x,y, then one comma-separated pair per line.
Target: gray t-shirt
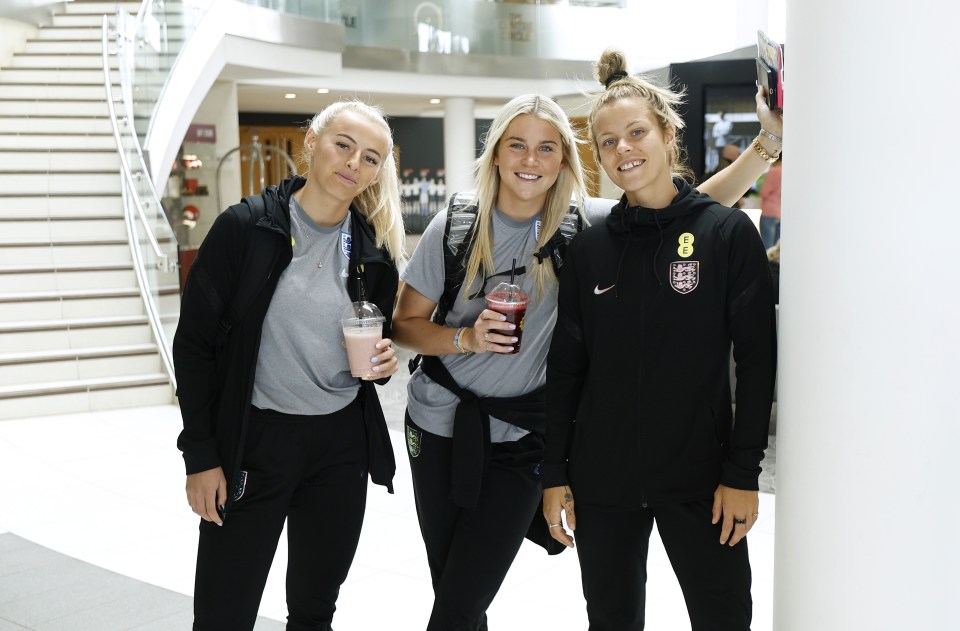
x,y
302,367
432,406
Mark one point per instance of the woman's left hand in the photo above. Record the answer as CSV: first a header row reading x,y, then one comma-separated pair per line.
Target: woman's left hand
x,y
386,362
739,510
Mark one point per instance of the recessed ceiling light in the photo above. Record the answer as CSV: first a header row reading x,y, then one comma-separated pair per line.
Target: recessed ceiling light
x,y
289,95
323,90
434,101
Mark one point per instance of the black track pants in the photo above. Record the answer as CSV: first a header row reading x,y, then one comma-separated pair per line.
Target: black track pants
x,y
311,471
470,551
612,546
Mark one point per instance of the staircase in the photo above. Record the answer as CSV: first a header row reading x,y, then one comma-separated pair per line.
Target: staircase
x,y
74,336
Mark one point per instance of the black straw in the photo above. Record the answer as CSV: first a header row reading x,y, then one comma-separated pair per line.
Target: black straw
x,y
513,270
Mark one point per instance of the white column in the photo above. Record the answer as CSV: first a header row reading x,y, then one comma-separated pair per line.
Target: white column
x,y
868,481
459,144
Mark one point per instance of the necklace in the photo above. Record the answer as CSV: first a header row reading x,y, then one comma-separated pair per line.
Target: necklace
x,y
319,247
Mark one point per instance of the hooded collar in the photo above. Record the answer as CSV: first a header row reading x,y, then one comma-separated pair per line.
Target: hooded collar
x,y
638,221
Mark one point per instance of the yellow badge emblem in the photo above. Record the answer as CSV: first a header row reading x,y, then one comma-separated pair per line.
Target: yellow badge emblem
x,y
686,244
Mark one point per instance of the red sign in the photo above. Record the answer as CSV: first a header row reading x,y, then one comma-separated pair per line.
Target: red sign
x,y
201,133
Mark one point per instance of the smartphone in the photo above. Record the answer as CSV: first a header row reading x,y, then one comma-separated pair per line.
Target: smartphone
x,y
770,69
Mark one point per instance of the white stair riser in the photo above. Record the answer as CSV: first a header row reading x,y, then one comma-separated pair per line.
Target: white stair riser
x,y
62,230
27,125
67,309
84,368
22,342
72,403
58,160
55,75
65,206
65,255
110,8
61,183
53,109
80,33
52,46
87,18
15,141
67,280
56,92
88,61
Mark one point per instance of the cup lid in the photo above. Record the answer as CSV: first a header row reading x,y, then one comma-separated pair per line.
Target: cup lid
x,y
359,313
506,292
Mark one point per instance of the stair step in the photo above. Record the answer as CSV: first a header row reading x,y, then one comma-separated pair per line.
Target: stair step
x,y
81,20
54,109
54,206
33,182
87,33
39,335
59,124
70,76
48,160
57,141
88,60
91,400
92,253
39,46
52,91
44,230
98,6
42,306
71,364
82,385
22,278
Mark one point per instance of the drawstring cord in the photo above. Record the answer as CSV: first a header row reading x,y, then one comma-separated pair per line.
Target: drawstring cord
x,y
656,220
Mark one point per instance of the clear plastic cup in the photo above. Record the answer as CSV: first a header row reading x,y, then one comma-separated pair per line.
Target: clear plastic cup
x,y
362,325
510,301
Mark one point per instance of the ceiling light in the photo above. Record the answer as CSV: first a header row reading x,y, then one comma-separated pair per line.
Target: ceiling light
x,y
323,90
434,101
289,95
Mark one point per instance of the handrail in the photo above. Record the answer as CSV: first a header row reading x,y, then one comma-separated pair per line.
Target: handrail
x,y
129,190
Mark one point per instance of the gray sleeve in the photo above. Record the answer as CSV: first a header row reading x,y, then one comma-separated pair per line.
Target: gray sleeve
x,y
596,209
424,272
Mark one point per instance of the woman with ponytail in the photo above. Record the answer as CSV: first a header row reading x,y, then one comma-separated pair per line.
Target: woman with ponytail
x,y
640,426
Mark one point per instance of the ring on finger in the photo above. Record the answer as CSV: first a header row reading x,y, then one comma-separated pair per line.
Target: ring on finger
x,y
554,526
740,522
486,336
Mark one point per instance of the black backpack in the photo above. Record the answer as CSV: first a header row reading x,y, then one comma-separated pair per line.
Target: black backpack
x,y
458,238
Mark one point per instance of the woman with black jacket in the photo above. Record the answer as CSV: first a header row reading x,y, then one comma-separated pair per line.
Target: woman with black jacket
x,y
275,428
640,425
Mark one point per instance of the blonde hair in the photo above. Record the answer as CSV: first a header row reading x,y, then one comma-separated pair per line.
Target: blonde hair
x,y
379,202
612,72
568,187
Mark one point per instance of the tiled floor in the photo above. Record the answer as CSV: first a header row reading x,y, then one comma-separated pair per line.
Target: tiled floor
x,y
107,489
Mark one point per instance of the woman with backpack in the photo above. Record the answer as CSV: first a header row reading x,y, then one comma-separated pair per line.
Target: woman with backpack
x,y
476,412
275,428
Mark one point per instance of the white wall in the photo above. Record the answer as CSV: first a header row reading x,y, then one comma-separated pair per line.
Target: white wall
x,y
13,35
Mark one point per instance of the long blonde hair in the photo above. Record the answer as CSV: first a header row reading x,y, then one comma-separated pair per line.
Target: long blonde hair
x,y
568,187
379,202
612,72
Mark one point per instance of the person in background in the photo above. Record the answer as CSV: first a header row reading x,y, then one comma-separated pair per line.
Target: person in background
x,y
770,204
275,428
640,427
476,498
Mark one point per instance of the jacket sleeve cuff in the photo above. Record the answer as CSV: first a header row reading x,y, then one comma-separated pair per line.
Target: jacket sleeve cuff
x,y
201,457
737,477
553,474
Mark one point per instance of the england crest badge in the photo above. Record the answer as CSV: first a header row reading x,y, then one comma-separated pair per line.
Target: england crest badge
x,y
684,276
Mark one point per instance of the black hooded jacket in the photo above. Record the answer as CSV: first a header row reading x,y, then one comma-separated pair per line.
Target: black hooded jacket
x,y
250,243
638,389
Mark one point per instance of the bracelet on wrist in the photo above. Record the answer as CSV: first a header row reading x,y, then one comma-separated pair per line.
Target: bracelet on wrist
x,y
774,138
767,157
457,344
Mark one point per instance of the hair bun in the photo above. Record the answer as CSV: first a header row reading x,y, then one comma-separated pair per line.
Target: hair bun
x,y
613,78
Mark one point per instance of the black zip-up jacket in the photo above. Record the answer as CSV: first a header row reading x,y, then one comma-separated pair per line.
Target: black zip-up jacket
x,y
638,389
215,370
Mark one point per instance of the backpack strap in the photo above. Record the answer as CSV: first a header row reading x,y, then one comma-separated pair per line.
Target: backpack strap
x,y
259,258
556,247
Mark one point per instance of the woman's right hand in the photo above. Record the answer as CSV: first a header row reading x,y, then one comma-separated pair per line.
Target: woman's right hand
x,y
491,333
557,500
206,492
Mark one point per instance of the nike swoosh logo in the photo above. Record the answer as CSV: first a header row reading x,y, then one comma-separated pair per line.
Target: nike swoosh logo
x,y
599,291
